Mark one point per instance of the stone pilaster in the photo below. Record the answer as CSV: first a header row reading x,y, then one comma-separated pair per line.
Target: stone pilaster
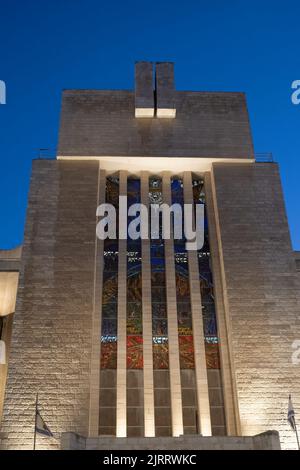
x,y
149,418
96,320
197,321
122,313
175,381
230,405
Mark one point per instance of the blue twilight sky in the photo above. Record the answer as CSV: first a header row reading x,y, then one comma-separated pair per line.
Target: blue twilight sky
x,y
223,45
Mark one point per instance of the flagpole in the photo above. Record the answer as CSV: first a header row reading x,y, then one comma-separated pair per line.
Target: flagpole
x,y
296,430
292,419
35,420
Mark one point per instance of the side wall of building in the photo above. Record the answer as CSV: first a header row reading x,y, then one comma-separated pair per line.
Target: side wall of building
x,y
9,275
260,294
297,261
51,342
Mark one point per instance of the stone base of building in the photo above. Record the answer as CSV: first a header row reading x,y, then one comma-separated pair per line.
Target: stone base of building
x,y
266,441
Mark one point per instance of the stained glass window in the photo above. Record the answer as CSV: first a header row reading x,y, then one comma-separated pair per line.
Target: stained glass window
x,y
206,287
160,326
160,352
134,352
108,352
134,318
110,288
110,257
186,352
212,352
159,310
134,287
184,314
112,190
158,287
184,319
155,190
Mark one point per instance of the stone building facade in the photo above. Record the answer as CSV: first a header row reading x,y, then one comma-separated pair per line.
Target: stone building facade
x,y
9,276
144,338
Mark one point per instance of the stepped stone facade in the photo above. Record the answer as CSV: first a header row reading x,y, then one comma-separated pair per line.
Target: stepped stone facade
x,y
141,339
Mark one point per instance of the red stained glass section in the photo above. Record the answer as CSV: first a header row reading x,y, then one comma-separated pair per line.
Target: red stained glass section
x,y
186,352
212,355
134,352
109,355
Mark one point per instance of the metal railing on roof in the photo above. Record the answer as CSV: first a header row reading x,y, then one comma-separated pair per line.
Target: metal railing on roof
x,y
46,153
50,153
266,157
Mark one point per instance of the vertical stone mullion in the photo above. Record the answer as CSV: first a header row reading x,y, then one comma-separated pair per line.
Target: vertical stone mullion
x,y
230,398
175,380
197,322
149,418
96,321
121,412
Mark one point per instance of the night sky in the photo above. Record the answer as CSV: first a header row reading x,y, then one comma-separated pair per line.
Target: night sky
x,y
228,45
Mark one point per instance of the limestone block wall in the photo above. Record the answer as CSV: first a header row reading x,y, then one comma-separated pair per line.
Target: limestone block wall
x,y
9,275
102,123
51,341
261,297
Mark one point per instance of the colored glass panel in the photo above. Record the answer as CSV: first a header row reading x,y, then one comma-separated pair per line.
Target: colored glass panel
x,y
157,278
134,287
134,326
212,354
184,319
160,352
111,258
112,190
109,353
159,310
134,352
186,352
110,289
160,326
108,358
134,318
158,286
207,288
184,314
155,190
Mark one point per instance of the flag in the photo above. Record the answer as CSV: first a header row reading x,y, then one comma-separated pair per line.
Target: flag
x,y
291,414
40,425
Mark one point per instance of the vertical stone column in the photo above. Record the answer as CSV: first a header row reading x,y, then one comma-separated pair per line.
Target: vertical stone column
x,y
175,380
230,398
96,320
122,312
197,321
144,93
149,419
165,91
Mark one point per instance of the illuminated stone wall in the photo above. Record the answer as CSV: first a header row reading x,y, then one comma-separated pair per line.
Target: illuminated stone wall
x,y
261,294
83,348
9,275
51,341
